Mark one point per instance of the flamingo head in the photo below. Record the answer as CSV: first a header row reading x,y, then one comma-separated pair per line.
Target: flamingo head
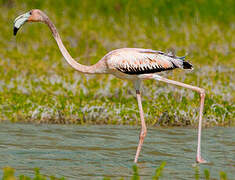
x,y
34,15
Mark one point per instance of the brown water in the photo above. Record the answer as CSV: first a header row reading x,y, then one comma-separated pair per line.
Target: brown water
x,y
92,152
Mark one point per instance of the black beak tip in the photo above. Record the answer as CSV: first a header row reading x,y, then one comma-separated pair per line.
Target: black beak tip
x,y
15,31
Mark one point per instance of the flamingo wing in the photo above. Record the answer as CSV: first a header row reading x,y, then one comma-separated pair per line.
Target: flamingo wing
x,y
143,61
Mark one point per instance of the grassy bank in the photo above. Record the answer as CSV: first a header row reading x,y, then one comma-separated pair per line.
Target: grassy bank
x,y
37,85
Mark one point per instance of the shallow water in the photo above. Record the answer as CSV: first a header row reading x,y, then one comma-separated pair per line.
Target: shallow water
x,y
92,152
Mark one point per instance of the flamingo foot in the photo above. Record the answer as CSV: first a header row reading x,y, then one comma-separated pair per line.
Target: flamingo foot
x,y
200,160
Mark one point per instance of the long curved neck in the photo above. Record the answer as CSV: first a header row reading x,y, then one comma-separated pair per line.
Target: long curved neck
x,y
94,69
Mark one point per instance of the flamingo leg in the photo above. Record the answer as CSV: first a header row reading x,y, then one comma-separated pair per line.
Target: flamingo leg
x,y
143,131
201,91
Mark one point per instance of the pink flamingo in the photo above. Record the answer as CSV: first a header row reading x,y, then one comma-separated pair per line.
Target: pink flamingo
x,y
134,64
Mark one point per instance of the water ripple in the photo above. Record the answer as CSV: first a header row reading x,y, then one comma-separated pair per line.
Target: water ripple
x,y
96,151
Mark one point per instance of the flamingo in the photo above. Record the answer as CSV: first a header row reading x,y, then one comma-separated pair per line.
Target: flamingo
x,y
134,64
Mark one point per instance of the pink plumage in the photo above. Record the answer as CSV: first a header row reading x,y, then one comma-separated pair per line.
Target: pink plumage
x,y
136,61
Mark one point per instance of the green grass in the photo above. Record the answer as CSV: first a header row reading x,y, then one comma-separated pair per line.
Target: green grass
x,y
37,85
9,174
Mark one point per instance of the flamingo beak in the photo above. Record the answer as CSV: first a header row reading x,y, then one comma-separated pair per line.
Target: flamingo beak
x,y
19,21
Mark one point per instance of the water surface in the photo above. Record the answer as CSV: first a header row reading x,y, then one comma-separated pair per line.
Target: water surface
x,y
92,152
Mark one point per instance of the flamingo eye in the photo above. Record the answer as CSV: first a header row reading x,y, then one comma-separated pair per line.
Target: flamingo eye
x,y
30,13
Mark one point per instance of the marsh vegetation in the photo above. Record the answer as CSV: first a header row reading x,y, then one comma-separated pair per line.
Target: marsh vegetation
x,y
9,174
37,85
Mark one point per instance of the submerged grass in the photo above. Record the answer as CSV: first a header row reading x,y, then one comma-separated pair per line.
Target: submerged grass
x,y
37,85
9,174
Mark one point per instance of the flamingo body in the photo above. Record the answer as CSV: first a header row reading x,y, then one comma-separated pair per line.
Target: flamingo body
x,y
128,63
